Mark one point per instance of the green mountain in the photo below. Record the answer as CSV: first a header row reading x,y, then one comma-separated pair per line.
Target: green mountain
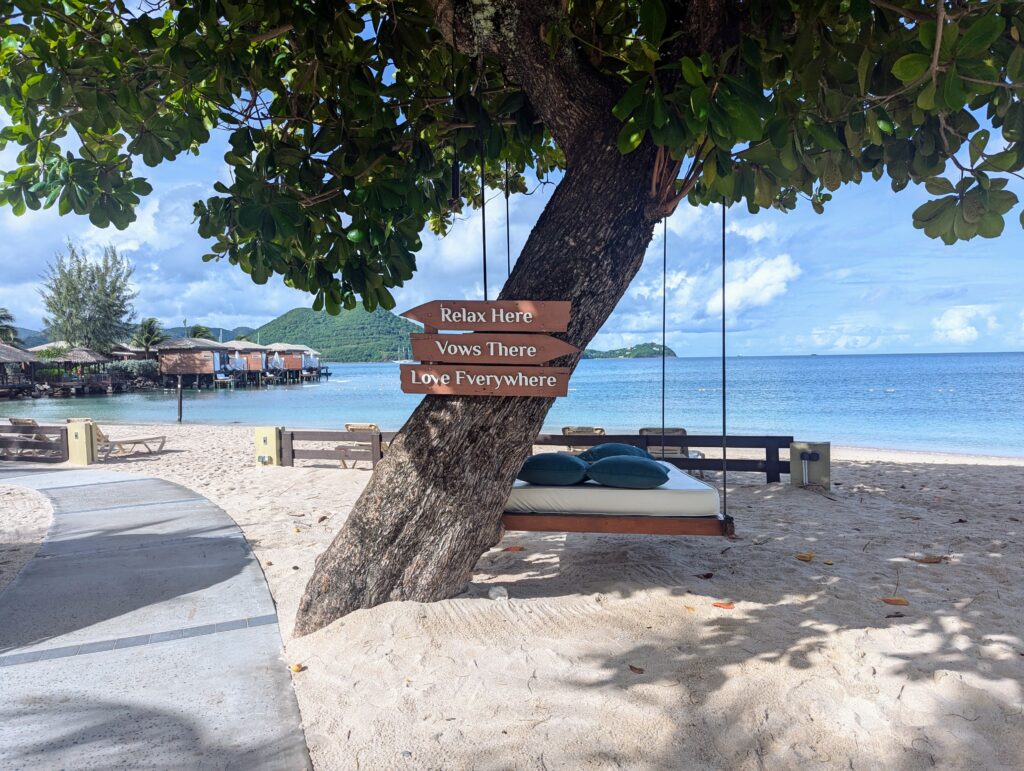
x,y
31,337
355,335
641,351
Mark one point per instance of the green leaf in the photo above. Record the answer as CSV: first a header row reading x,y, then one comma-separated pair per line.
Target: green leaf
x,y
953,93
939,186
911,67
630,137
691,74
660,115
1004,161
652,20
630,100
1015,65
825,137
926,99
865,65
977,145
977,38
991,225
355,235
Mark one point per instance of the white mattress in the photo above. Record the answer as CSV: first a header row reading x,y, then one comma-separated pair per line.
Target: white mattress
x,y
681,496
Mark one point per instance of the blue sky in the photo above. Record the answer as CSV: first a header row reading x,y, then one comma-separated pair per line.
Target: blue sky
x,y
858,279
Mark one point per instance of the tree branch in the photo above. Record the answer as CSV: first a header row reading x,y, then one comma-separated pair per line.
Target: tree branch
x,y
569,95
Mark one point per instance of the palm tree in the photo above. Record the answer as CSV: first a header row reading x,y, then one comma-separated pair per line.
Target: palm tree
x,y
148,334
199,331
8,332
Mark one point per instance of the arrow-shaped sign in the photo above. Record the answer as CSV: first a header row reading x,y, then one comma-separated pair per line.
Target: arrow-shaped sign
x,y
489,348
468,380
495,316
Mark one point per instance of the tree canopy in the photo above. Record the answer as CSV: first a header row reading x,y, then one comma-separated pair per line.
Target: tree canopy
x,y
89,302
349,123
8,332
148,334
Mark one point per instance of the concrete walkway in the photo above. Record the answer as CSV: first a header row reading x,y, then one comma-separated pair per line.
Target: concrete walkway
x,y
142,635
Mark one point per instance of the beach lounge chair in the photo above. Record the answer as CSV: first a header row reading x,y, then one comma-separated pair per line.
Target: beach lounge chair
x,y
365,428
671,449
30,423
581,431
107,446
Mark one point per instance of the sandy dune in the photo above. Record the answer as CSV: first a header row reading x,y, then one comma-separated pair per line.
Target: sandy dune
x,y
610,653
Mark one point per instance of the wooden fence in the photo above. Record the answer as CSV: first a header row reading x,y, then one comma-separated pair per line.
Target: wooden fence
x,y
371,446
39,444
772,466
349,445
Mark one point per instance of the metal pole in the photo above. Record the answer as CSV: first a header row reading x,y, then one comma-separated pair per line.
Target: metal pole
x,y
179,398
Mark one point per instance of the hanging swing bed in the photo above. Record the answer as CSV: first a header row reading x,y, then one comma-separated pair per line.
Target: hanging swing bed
x,y
684,505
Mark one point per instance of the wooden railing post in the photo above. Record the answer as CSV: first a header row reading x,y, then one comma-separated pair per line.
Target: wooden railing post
x,y
771,465
375,451
287,450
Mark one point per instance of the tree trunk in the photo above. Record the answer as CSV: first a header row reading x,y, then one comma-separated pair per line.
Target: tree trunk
x,y
434,504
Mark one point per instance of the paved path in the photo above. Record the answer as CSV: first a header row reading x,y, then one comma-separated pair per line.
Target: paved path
x,y
142,635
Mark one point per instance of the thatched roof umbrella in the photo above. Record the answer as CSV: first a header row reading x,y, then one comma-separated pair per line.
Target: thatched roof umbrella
x,y
80,356
52,345
10,354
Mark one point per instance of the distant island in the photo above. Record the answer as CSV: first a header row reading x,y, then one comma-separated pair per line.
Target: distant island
x,y
641,351
351,336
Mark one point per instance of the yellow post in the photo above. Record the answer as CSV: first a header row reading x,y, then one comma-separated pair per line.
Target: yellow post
x,y
268,446
81,443
810,464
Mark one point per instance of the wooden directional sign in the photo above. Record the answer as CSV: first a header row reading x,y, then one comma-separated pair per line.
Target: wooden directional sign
x,y
496,316
459,380
472,348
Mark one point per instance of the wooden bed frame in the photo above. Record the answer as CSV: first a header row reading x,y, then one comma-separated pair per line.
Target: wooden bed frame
x,y
618,523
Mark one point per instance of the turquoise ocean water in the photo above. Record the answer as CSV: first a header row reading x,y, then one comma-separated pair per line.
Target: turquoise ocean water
x,y
970,403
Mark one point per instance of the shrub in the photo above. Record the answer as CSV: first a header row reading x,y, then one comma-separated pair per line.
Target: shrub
x,y
144,368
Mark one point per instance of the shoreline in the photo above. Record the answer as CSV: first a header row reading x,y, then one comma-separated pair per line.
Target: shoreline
x,y
888,451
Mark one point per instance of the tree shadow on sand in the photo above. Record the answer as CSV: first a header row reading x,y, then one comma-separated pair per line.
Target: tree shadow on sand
x,y
810,665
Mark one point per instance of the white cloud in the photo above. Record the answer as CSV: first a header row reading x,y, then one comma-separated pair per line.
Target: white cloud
x,y
752,230
753,282
957,324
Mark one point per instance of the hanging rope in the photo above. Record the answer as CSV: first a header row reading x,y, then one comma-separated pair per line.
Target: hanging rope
x,y
483,207
664,314
508,235
725,470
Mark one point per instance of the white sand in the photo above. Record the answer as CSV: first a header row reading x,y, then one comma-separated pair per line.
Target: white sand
x,y
609,652
25,516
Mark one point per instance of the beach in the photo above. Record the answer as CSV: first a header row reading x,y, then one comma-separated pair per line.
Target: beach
x,y
24,517
610,650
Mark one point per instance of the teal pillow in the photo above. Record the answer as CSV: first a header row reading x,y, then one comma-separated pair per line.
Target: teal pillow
x,y
553,468
611,449
628,471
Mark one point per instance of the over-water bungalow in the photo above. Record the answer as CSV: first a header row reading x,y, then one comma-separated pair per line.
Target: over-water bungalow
x,y
284,360
16,370
197,361
248,359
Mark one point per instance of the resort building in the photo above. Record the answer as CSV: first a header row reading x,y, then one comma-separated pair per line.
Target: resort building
x,y
197,361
